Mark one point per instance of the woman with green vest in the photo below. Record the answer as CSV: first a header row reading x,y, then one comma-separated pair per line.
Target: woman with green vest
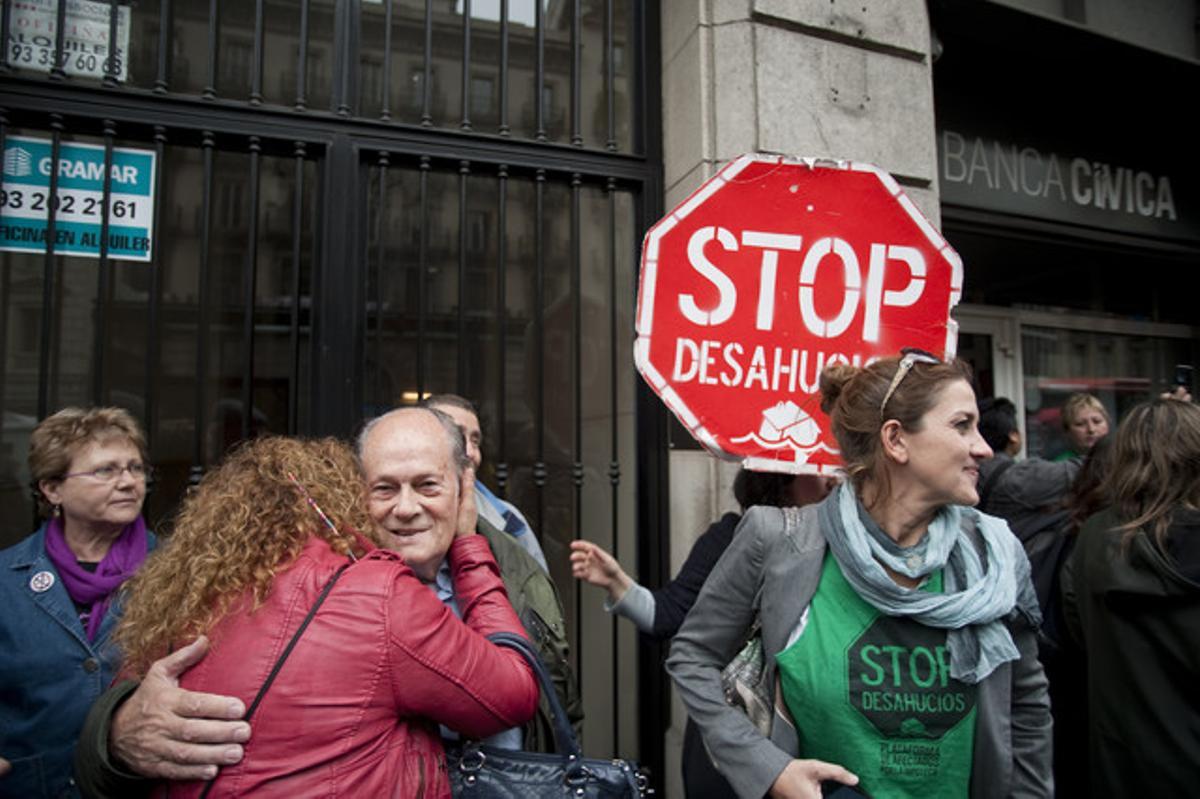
x,y
898,624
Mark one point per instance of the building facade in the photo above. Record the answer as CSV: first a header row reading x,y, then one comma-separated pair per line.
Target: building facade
x,y
359,202
1049,140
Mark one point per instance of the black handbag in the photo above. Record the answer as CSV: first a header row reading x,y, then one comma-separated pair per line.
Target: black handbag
x,y
478,771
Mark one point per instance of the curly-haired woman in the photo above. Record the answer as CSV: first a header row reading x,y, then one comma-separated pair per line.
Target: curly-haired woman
x,y
355,708
1131,597
58,590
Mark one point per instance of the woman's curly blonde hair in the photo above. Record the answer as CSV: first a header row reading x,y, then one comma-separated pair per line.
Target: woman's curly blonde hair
x,y
242,525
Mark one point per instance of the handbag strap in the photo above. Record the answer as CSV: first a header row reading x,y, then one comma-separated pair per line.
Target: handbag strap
x,y
565,742
262,691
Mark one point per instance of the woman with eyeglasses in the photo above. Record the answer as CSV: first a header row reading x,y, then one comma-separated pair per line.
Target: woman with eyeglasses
x,y
58,590
898,624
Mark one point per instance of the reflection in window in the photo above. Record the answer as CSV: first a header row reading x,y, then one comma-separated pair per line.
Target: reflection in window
x,y
29,329
235,59
478,224
231,210
416,88
189,62
370,82
1120,370
483,90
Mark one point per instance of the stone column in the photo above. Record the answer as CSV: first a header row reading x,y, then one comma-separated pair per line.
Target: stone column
x,y
820,78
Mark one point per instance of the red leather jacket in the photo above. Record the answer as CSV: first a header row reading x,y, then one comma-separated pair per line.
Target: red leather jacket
x,y
354,710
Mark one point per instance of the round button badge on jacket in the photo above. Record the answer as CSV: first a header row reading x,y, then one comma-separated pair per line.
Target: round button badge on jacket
x,y
42,581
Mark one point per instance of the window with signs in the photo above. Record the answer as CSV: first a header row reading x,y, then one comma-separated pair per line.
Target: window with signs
x,y
366,213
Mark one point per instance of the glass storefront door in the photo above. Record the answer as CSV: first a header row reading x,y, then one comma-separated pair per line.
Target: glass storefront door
x,y
1120,369
1038,359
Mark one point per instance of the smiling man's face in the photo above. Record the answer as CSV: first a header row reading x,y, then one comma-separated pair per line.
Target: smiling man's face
x,y
412,487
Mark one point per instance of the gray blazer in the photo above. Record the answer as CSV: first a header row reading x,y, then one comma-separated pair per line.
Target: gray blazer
x,y
774,563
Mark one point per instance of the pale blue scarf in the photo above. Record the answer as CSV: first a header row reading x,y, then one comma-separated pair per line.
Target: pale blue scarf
x,y
979,592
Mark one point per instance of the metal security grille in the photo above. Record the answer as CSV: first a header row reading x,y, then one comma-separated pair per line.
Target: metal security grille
x,y
358,203
512,287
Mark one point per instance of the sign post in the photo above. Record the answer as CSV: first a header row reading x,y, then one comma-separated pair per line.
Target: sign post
x,y
79,202
771,270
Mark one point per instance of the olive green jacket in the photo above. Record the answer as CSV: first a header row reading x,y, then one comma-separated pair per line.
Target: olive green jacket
x,y
536,601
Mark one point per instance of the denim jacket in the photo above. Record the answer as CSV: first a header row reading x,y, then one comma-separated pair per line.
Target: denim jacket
x,y
49,672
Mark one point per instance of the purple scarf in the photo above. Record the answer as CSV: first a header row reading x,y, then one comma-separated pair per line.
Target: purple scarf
x,y
96,588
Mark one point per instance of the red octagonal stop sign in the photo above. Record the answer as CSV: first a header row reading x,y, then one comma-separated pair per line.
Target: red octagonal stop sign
x,y
771,270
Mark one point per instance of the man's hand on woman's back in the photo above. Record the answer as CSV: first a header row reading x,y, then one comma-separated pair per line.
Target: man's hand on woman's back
x,y
166,732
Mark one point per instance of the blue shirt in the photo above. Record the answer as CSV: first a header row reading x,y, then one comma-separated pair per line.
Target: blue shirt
x,y
505,516
443,587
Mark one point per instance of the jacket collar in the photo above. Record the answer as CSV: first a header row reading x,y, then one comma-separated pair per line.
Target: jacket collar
x,y
30,557
27,551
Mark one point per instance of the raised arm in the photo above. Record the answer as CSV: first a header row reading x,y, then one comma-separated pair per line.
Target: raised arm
x,y
592,564
445,669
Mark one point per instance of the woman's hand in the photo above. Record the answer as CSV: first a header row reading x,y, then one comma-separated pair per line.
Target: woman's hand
x,y
591,563
468,516
802,779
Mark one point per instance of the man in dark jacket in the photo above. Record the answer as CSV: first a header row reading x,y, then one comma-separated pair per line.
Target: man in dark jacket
x,y
158,730
1024,492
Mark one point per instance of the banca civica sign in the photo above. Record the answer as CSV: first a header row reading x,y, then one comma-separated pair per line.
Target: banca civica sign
x,y
25,200
771,270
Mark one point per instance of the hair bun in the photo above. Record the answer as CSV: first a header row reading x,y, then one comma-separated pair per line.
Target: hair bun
x,y
833,379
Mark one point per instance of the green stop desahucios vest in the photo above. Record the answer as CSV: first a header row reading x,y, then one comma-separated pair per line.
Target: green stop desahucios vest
x,y
873,693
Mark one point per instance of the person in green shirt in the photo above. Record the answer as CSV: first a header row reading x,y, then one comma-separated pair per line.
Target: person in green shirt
x,y
1084,421
898,623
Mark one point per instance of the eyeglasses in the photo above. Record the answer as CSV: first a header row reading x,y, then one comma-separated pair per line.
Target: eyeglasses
x,y
912,356
110,472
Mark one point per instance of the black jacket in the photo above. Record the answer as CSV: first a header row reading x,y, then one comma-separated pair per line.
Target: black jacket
x,y
672,602
1137,615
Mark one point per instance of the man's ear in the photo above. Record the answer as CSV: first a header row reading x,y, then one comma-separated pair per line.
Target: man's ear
x,y
894,441
1014,442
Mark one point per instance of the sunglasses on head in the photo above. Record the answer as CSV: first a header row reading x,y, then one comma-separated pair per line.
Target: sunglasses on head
x,y
910,357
